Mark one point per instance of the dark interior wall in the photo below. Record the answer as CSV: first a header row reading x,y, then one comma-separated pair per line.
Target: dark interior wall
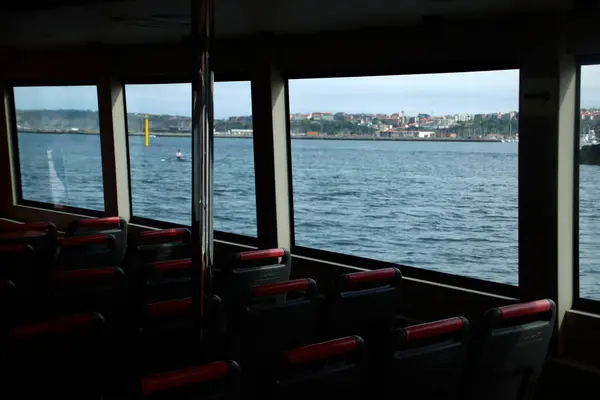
x,y
468,45
437,46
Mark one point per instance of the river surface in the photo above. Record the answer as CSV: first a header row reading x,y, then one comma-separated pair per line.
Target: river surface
x,y
450,207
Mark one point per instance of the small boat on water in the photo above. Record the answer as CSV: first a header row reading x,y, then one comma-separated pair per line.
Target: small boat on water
x,y
179,155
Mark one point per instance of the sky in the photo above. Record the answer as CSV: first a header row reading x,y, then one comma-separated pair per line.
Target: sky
x,y
590,86
440,94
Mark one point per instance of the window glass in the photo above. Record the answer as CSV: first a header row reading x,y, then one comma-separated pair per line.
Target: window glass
x,y
417,170
161,171
58,146
234,184
589,183
160,166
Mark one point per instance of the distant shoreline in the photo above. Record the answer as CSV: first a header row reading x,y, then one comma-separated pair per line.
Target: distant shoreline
x,y
331,137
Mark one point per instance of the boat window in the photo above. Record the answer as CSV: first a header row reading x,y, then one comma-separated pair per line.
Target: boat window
x,y
418,170
159,126
589,183
234,183
58,147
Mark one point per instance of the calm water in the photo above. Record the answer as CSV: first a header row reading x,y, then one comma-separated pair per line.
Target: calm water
x,y
448,207
589,231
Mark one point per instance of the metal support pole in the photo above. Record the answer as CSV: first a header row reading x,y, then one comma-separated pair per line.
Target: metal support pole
x,y
202,153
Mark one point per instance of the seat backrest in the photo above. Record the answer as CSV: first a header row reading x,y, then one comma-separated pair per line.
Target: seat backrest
x,y
216,380
7,294
56,357
27,255
364,303
330,368
83,290
84,280
267,327
30,231
7,288
165,280
508,351
428,359
56,328
41,236
169,335
167,316
93,250
161,245
18,261
5,225
114,226
253,268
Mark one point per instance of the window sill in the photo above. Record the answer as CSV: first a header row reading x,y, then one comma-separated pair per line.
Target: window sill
x,y
61,219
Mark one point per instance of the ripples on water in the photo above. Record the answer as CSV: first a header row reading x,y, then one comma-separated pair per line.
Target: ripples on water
x,y
589,232
450,207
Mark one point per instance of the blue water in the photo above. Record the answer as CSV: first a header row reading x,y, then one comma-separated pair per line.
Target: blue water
x,y
589,232
76,177
161,184
450,207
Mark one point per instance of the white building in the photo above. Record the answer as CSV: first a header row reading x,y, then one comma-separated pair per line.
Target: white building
x,y
240,132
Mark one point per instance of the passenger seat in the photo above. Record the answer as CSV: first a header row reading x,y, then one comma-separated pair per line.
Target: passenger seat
x,y
428,359
212,381
253,268
333,368
509,350
62,358
262,328
364,304
116,227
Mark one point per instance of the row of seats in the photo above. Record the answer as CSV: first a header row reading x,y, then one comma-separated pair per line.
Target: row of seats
x,y
437,360
139,304
140,319
501,359
33,252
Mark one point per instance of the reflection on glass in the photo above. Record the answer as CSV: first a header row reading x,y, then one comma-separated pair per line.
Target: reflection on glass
x,y
59,146
416,170
234,187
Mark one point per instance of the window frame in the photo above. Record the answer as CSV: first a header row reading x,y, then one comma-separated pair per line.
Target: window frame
x,y
415,272
16,162
134,219
579,303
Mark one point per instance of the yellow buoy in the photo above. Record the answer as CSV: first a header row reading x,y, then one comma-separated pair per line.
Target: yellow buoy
x,y
146,129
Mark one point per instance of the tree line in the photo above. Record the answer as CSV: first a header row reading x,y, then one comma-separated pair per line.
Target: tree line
x,y
88,120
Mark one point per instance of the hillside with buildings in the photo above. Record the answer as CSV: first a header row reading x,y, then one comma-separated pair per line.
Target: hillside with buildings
x,y
491,125
399,124
87,121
